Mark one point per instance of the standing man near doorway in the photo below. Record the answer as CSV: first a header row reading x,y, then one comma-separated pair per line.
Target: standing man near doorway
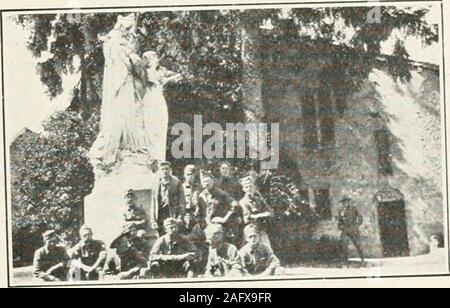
x,y
168,199
349,222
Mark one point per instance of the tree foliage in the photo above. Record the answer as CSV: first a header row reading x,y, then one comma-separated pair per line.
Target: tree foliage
x,y
51,178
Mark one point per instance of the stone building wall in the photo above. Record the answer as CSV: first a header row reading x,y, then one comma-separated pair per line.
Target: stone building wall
x,y
344,155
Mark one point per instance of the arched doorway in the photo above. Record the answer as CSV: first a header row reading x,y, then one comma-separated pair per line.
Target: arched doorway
x,y
392,223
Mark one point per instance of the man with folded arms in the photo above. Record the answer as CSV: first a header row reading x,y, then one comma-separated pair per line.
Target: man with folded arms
x,y
173,255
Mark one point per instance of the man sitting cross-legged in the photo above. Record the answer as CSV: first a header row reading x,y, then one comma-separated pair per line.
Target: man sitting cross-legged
x,y
223,258
172,256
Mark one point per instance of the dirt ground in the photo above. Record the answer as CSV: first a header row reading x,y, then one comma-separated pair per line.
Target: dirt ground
x,y
435,263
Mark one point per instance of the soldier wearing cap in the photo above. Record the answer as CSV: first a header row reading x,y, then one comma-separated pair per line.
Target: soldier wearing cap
x,y
90,255
349,222
168,199
226,182
223,257
191,189
256,211
256,257
133,213
216,206
50,261
172,256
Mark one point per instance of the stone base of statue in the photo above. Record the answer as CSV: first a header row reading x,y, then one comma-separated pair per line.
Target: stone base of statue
x,y
105,207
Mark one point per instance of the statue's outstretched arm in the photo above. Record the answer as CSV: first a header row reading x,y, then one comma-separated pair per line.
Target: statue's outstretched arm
x,y
170,76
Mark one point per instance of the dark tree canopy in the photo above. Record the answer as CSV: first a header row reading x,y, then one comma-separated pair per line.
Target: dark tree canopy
x,y
206,45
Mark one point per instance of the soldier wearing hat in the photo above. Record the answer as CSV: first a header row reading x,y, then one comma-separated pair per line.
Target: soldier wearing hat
x,y
90,255
256,210
168,199
133,213
191,189
172,256
349,222
256,257
223,257
50,261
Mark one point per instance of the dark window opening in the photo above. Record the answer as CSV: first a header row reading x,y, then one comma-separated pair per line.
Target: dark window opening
x,y
310,122
383,142
304,194
323,204
326,114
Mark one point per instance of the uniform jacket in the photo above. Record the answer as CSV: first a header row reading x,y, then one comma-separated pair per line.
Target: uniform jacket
x,y
176,200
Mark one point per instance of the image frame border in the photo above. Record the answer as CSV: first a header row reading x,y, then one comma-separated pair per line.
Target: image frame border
x,y
106,9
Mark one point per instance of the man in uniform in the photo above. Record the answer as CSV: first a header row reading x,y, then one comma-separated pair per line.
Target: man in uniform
x,y
173,255
255,209
349,222
129,260
90,256
134,214
226,182
168,199
194,232
216,206
223,258
191,189
257,258
50,261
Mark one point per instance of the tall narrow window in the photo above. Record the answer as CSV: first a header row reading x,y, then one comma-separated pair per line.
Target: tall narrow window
x,y
383,142
310,122
323,203
326,114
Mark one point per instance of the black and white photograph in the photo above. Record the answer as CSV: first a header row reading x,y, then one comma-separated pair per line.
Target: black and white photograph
x,y
224,143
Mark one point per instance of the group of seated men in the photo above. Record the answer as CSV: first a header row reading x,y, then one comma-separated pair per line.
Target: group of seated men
x,y
204,231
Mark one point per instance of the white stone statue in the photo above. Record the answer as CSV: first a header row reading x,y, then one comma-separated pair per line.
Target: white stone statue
x,y
133,129
134,114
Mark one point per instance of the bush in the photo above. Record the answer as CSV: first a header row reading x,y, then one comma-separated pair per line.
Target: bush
x,y
51,175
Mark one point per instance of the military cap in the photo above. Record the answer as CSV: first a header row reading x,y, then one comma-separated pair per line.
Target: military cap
x,y
251,230
165,164
130,193
189,169
48,234
170,222
85,228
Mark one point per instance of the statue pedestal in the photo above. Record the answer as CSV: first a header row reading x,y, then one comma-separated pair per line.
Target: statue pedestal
x,y
104,208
